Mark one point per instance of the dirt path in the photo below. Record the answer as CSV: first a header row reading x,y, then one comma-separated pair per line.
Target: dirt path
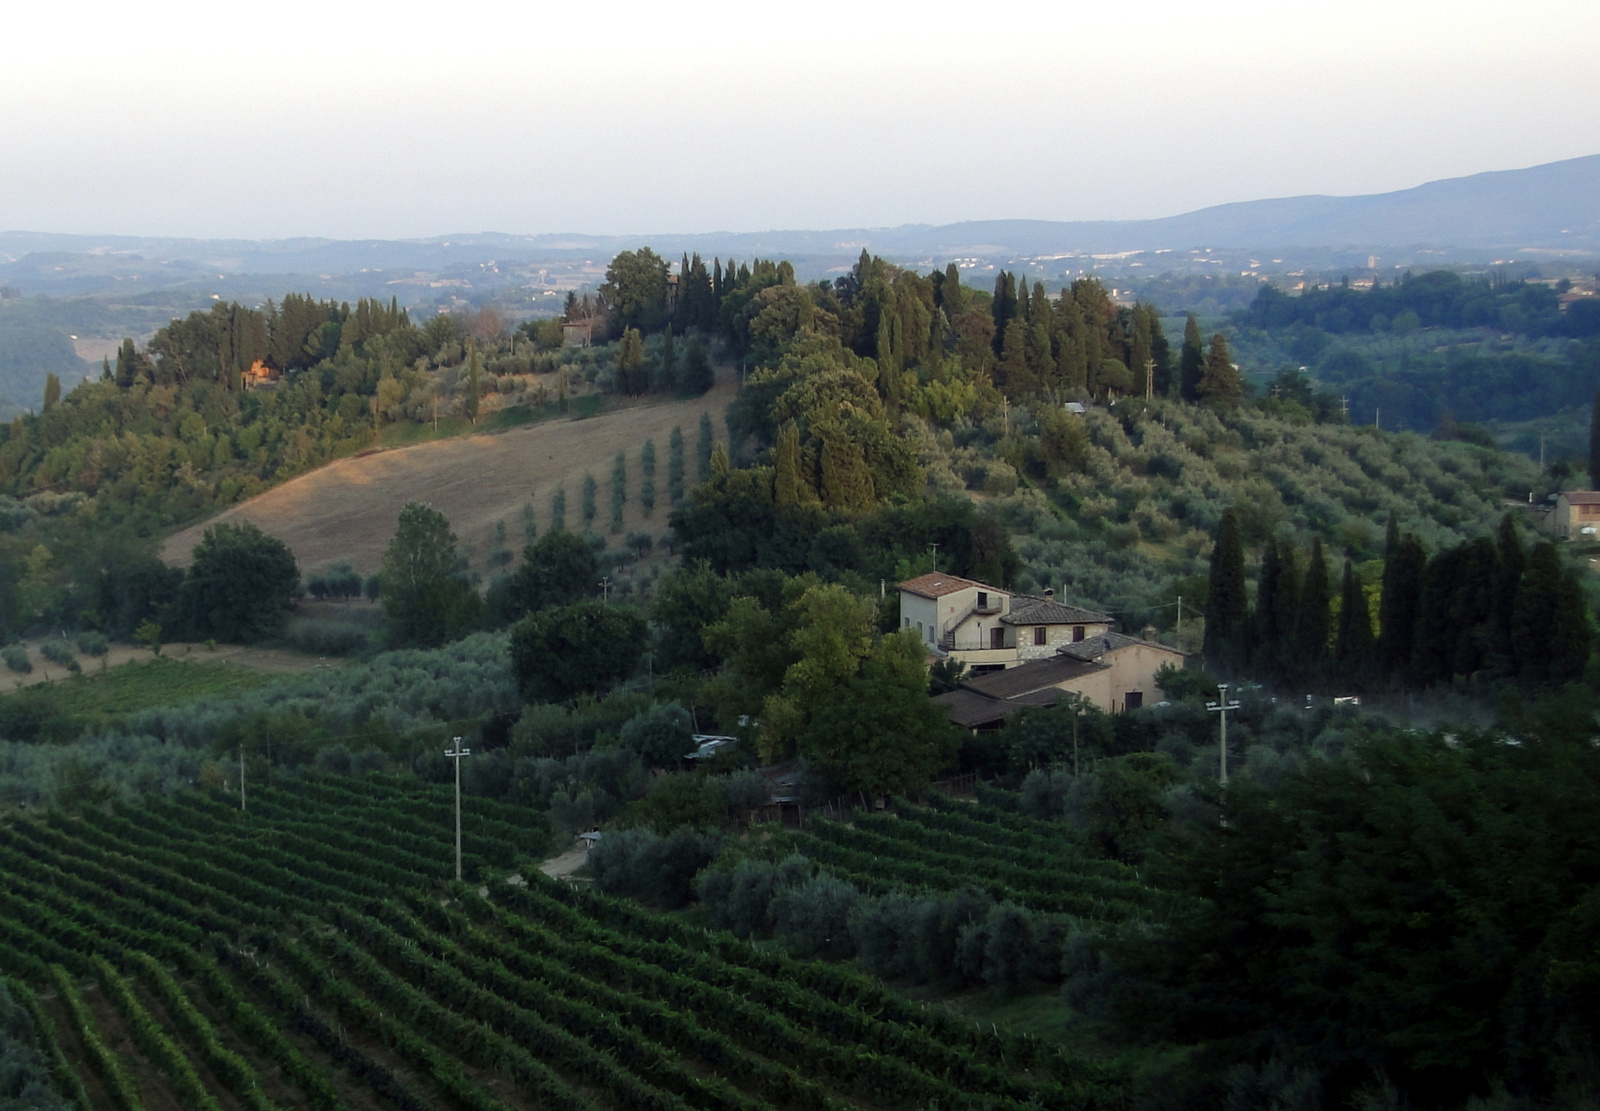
x,y
274,661
558,867
347,510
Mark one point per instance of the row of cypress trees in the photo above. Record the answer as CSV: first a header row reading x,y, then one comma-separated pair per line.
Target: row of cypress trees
x,y
1487,609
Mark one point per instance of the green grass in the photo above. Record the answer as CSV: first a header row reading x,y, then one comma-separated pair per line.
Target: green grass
x,y
1045,1015
408,433
63,709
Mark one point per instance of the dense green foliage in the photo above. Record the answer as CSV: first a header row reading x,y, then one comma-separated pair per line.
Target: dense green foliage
x,y
426,596
240,585
1434,348
1487,611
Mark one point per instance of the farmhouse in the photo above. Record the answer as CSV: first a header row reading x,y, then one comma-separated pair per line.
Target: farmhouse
x,y
1575,511
987,628
1027,650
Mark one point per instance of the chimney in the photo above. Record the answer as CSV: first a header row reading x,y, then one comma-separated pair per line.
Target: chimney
x,y
1149,632
1049,593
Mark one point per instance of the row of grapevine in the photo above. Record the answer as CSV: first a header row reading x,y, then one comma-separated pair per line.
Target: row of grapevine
x,y
881,874
308,937
1035,885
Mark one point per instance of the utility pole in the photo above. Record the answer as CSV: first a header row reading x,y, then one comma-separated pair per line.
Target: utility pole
x,y
1149,379
1377,418
934,548
1221,708
1075,739
1180,615
605,588
456,754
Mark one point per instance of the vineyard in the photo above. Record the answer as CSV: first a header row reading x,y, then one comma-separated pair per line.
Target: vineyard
x,y
315,953
987,845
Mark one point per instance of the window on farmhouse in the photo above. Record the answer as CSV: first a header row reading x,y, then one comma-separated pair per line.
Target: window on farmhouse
x,y
1038,634
1077,633
1134,700
997,638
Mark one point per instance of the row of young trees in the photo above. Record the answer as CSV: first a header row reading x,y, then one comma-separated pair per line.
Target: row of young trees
x,y
1489,610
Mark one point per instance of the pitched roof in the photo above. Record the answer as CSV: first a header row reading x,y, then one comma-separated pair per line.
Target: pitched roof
x,y
1092,648
936,585
1031,677
1582,497
1026,609
973,708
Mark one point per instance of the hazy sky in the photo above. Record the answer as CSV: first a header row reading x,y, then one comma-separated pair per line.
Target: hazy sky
x,y
410,119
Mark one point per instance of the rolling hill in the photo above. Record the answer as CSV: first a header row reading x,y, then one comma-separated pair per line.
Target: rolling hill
x,y
1554,206
347,510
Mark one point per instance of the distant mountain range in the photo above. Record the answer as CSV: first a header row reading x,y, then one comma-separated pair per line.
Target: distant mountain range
x,y
1553,208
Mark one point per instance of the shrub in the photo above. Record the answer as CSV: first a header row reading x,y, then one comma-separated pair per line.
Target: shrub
x,y
16,658
326,637
740,900
60,652
644,865
661,735
91,643
813,918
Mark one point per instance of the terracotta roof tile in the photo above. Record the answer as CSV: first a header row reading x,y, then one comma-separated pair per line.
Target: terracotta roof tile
x,y
935,585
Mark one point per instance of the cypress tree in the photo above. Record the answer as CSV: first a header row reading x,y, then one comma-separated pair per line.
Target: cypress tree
x,y
1397,602
1594,443
667,371
588,506
1004,307
52,391
675,485
558,510
1354,650
1472,605
631,376
127,364
1226,603
788,485
846,480
952,298
619,490
469,404
1549,629
698,376
704,447
1191,360
1015,378
1510,562
1311,623
1431,649
1286,611
1265,635
647,471
1220,384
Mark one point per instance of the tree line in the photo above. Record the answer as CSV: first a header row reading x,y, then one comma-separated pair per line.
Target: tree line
x,y
1490,610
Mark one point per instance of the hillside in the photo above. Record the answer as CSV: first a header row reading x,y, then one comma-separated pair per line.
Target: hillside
x,y
347,509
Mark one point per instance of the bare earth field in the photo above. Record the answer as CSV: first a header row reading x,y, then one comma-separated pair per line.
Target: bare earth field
x,y
348,509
